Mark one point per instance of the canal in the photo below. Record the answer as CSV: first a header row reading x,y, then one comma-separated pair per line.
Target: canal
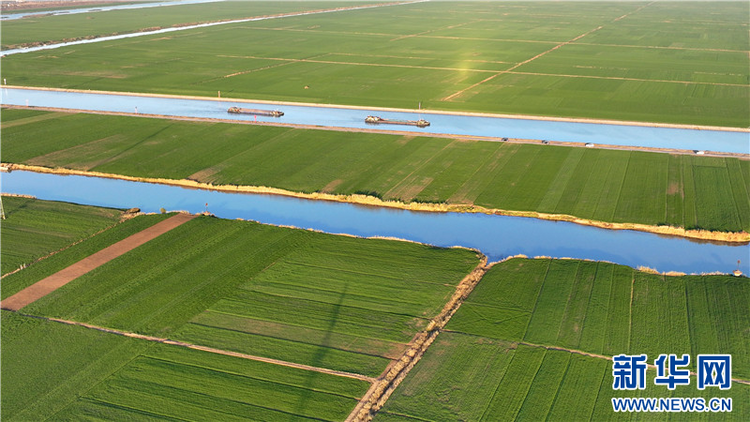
x,y
353,117
495,236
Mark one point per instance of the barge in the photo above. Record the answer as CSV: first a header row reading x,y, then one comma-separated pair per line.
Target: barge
x,y
256,112
380,120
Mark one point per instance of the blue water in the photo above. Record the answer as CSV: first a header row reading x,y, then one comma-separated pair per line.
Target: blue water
x,y
657,137
173,29
495,236
58,12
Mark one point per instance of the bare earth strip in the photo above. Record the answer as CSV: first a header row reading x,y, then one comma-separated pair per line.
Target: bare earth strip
x,y
212,350
49,284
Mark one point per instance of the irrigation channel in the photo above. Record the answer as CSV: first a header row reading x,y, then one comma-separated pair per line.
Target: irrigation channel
x,y
495,236
353,117
183,28
100,8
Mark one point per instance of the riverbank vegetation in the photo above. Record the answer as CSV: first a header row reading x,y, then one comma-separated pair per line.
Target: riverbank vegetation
x,y
37,228
650,62
515,350
58,371
609,186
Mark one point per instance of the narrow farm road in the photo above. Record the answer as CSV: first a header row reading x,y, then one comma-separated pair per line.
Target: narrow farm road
x,y
49,284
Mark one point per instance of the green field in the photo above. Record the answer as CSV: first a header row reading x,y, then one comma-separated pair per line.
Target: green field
x,y
605,185
37,228
334,302
45,29
30,275
53,371
493,361
664,62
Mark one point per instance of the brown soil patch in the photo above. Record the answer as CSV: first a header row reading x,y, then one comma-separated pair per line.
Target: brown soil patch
x,y
673,188
33,119
332,185
49,284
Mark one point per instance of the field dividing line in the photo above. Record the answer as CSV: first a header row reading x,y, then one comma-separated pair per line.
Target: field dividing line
x,y
622,78
634,11
517,65
456,94
202,25
387,383
53,282
211,349
656,47
609,358
386,56
402,37
313,60
123,218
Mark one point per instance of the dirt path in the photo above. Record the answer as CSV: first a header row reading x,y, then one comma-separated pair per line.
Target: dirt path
x,y
49,284
212,350
387,383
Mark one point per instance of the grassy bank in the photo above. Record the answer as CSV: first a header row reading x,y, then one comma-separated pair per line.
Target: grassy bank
x,y
57,371
603,185
32,229
503,354
624,61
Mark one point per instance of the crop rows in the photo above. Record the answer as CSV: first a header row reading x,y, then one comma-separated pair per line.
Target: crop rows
x,y
618,186
58,371
22,279
397,56
478,370
288,294
608,309
35,229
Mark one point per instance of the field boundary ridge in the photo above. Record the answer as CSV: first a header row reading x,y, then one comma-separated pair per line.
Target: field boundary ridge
x,y
387,383
53,282
207,349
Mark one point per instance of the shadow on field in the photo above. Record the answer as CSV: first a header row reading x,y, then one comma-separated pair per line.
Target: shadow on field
x,y
318,357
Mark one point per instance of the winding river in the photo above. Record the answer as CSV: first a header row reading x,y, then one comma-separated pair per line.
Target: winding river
x,y
495,236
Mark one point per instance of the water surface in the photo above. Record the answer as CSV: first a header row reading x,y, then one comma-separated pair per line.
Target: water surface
x,y
339,116
496,236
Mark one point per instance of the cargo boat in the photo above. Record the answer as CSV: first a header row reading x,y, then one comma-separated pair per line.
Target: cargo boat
x,y
257,112
380,120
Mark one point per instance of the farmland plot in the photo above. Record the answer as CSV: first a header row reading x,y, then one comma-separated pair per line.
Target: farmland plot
x,y
57,371
608,309
552,59
615,186
320,300
22,279
33,229
536,382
